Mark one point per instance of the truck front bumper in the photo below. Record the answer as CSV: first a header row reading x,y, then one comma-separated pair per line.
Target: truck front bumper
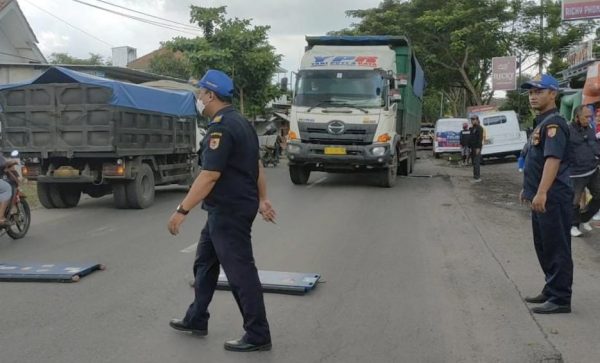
x,y
343,156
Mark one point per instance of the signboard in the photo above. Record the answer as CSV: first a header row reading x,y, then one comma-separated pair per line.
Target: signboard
x,y
580,53
504,73
481,109
580,9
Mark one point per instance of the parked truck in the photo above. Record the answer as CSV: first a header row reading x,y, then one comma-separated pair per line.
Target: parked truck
x,y
357,108
79,134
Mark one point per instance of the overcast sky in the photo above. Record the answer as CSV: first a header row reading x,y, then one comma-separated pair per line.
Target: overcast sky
x,y
290,21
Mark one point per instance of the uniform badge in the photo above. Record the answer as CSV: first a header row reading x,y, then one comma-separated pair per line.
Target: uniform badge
x,y
551,130
215,140
217,119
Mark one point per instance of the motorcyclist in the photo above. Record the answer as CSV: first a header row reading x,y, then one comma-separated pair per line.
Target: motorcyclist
x,y
5,187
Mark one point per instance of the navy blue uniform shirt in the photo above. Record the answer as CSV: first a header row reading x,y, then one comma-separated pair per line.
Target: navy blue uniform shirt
x,y
549,139
231,148
583,149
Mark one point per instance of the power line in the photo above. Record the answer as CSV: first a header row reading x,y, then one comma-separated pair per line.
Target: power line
x,y
191,27
151,22
69,24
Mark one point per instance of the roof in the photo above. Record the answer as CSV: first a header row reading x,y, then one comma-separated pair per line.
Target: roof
x,y
143,62
3,5
110,72
179,103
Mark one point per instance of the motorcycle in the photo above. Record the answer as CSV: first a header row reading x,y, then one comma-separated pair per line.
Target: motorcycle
x,y
18,213
269,146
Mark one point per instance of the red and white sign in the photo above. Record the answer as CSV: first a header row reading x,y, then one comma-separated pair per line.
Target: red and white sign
x,y
504,73
580,53
580,9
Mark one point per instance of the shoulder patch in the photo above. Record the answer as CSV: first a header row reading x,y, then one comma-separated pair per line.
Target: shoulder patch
x,y
551,131
552,126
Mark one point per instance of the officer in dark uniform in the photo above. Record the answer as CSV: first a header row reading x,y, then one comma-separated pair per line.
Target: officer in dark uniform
x,y
547,187
232,188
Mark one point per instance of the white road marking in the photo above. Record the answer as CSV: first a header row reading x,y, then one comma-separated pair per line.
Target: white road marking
x,y
191,248
316,182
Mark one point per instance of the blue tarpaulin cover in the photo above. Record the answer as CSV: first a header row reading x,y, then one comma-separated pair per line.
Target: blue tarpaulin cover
x,y
178,103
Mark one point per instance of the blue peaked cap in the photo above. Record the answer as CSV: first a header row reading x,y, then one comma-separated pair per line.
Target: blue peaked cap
x,y
545,81
217,82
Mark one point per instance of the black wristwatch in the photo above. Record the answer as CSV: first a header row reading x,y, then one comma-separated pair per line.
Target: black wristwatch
x,y
181,210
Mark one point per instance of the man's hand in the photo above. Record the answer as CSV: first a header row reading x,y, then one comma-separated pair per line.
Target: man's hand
x,y
521,198
539,202
175,222
266,211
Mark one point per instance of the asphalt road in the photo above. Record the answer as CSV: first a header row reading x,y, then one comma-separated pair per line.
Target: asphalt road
x,y
408,276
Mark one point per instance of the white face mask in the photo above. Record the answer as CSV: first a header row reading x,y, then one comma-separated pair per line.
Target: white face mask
x,y
200,106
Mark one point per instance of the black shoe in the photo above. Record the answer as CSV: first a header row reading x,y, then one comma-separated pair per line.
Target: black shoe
x,y
239,345
178,324
540,299
552,308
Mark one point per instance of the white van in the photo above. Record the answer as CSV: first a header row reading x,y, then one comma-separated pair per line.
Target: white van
x,y
503,136
447,135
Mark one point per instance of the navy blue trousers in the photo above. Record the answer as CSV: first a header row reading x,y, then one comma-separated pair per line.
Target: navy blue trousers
x,y
552,240
226,241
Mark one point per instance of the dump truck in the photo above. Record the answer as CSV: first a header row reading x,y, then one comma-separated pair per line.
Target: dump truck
x,y
78,133
357,108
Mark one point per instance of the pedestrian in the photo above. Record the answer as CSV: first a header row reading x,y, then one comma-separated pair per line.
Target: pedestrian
x,y
583,154
547,187
476,139
465,143
232,189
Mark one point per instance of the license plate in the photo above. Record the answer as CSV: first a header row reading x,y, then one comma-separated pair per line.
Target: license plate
x,y
335,151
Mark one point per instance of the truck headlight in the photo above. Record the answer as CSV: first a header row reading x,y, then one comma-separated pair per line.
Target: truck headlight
x,y
293,149
378,150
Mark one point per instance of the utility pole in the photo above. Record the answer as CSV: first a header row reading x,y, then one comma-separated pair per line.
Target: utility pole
x,y
441,104
519,90
541,60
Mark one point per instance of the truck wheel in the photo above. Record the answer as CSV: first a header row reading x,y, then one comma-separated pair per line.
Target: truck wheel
x,y
70,195
140,191
299,174
387,177
56,196
120,196
43,193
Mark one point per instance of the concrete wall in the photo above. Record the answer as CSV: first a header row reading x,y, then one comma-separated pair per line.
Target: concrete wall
x,y
14,73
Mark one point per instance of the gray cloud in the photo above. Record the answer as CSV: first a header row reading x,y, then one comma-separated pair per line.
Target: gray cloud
x,y
290,21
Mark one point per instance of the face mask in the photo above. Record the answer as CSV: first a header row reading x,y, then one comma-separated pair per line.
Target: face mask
x,y
200,106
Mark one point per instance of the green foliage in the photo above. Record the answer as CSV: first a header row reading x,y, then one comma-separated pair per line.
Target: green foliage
x,y
455,40
237,48
171,64
93,60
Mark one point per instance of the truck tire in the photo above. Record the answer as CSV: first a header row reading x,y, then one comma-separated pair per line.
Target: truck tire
x,y
387,176
140,191
70,195
43,193
56,196
120,196
299,174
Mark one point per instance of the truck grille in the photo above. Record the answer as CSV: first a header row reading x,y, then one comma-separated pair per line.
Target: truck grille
x,y
353,134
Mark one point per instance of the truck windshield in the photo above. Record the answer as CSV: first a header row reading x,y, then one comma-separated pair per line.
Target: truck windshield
x,y
357,88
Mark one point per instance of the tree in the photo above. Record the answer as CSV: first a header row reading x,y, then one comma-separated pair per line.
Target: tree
x,y
555,38
93,60
169,63
237,48
455,40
